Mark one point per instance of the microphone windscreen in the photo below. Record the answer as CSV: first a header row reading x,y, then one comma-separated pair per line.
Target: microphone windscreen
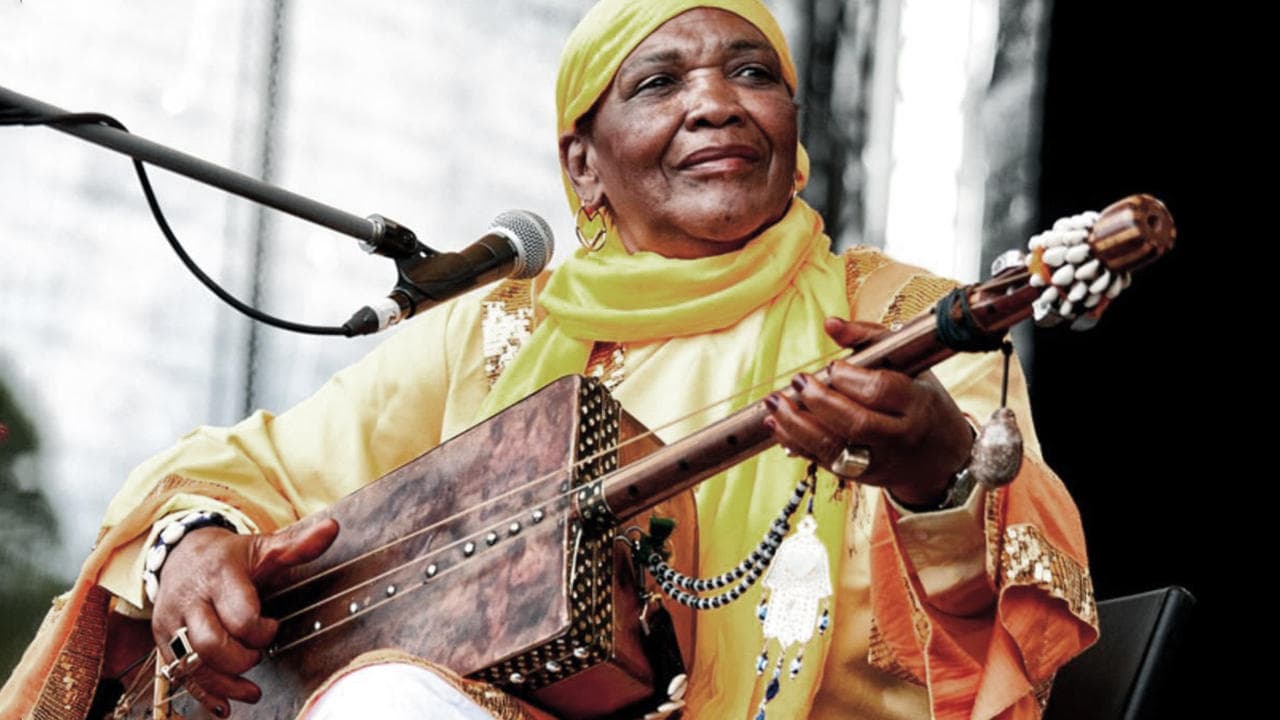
x,y
530,236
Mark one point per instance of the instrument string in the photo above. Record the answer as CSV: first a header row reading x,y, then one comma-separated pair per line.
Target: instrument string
x,y
139,684
556,474
768,383
400,593
465,537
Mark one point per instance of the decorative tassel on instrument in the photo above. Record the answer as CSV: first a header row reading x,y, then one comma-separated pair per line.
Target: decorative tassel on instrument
x,y
796,604
997,451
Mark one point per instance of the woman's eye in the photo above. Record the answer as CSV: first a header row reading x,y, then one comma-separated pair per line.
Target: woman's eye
x,y
655,82
759,73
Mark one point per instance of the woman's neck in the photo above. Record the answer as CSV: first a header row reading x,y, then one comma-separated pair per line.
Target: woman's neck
x,y
683,246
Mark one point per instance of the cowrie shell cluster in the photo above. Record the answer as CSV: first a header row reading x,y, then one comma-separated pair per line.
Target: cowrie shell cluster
x,y
1078,284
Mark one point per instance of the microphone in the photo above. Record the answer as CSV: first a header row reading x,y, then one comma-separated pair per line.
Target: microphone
x,y
518,244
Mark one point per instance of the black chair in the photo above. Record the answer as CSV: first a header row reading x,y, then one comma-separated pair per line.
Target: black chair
x,y
1120,676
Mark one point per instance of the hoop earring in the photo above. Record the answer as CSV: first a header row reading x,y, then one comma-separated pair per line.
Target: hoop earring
x,y
586,218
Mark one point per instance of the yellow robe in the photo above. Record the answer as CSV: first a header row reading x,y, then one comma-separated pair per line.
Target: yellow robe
x,y
423,386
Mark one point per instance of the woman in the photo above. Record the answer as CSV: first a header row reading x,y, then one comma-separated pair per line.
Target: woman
x,y
678,125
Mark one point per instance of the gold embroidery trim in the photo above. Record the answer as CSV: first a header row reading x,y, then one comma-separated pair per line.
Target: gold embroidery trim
x,y
68,690
499,704
921,292
880,655
919,619
506,322
883,656
1041,690
608,364
992,529
494,701
859,262
1028,558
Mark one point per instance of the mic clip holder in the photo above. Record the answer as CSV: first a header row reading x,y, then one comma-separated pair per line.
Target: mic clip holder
x,y
391,239
424,276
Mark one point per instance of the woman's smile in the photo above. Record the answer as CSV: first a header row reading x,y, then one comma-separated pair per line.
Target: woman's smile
x,y
720,160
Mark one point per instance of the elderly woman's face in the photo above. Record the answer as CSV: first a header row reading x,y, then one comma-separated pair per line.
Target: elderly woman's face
x,y
693,146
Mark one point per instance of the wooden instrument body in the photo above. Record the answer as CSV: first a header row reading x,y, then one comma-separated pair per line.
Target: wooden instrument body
x,y
543,608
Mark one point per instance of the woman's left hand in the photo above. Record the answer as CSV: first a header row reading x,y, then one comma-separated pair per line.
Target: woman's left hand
x,y
916,436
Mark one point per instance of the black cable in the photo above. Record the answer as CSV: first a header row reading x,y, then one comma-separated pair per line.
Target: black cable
x,y
17,116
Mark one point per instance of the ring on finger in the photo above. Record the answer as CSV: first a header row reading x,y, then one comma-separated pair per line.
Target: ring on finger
x,y
178,671
852,461
185,658
180,644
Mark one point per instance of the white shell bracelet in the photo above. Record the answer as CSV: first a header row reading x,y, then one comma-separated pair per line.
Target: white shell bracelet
x,y
171,533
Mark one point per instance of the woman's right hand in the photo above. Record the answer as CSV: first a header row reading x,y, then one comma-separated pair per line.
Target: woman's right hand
x,y
209,584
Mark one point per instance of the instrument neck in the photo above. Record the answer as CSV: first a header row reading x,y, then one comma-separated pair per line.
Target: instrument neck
x,y
910,349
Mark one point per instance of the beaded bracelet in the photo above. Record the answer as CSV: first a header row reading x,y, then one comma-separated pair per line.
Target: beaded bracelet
x,y
168,538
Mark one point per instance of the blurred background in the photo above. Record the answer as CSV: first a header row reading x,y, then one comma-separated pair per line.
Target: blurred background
x,y
944,131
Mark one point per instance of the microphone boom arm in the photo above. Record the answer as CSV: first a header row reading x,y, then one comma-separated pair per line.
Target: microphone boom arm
x,y
375,233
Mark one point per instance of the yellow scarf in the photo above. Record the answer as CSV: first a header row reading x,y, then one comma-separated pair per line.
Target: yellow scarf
x,y
613,296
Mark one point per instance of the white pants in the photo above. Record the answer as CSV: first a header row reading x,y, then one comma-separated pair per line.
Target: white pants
x,y
391,691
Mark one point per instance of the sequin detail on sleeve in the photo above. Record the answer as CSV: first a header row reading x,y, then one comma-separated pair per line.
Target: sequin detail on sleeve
x,y
859,262
1027,558
992,526
608,363
507,321
919,294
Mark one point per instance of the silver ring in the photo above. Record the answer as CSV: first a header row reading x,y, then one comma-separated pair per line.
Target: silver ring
x,y
170,671
178,670
185,658
852,461
180,644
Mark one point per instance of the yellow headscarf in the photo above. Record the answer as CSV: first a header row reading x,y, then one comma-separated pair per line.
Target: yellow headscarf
x,y
612,295
613,28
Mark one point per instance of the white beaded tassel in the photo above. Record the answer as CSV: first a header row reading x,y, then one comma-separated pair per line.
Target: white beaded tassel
x,y
798,581
798,585
1076,286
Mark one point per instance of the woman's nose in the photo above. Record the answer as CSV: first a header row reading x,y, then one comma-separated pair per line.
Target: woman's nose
x,y
713,102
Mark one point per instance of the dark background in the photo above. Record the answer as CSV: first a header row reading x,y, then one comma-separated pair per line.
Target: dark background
x,y
1137,415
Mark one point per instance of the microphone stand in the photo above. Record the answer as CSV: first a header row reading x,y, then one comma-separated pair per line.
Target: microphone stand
x,y
376,234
